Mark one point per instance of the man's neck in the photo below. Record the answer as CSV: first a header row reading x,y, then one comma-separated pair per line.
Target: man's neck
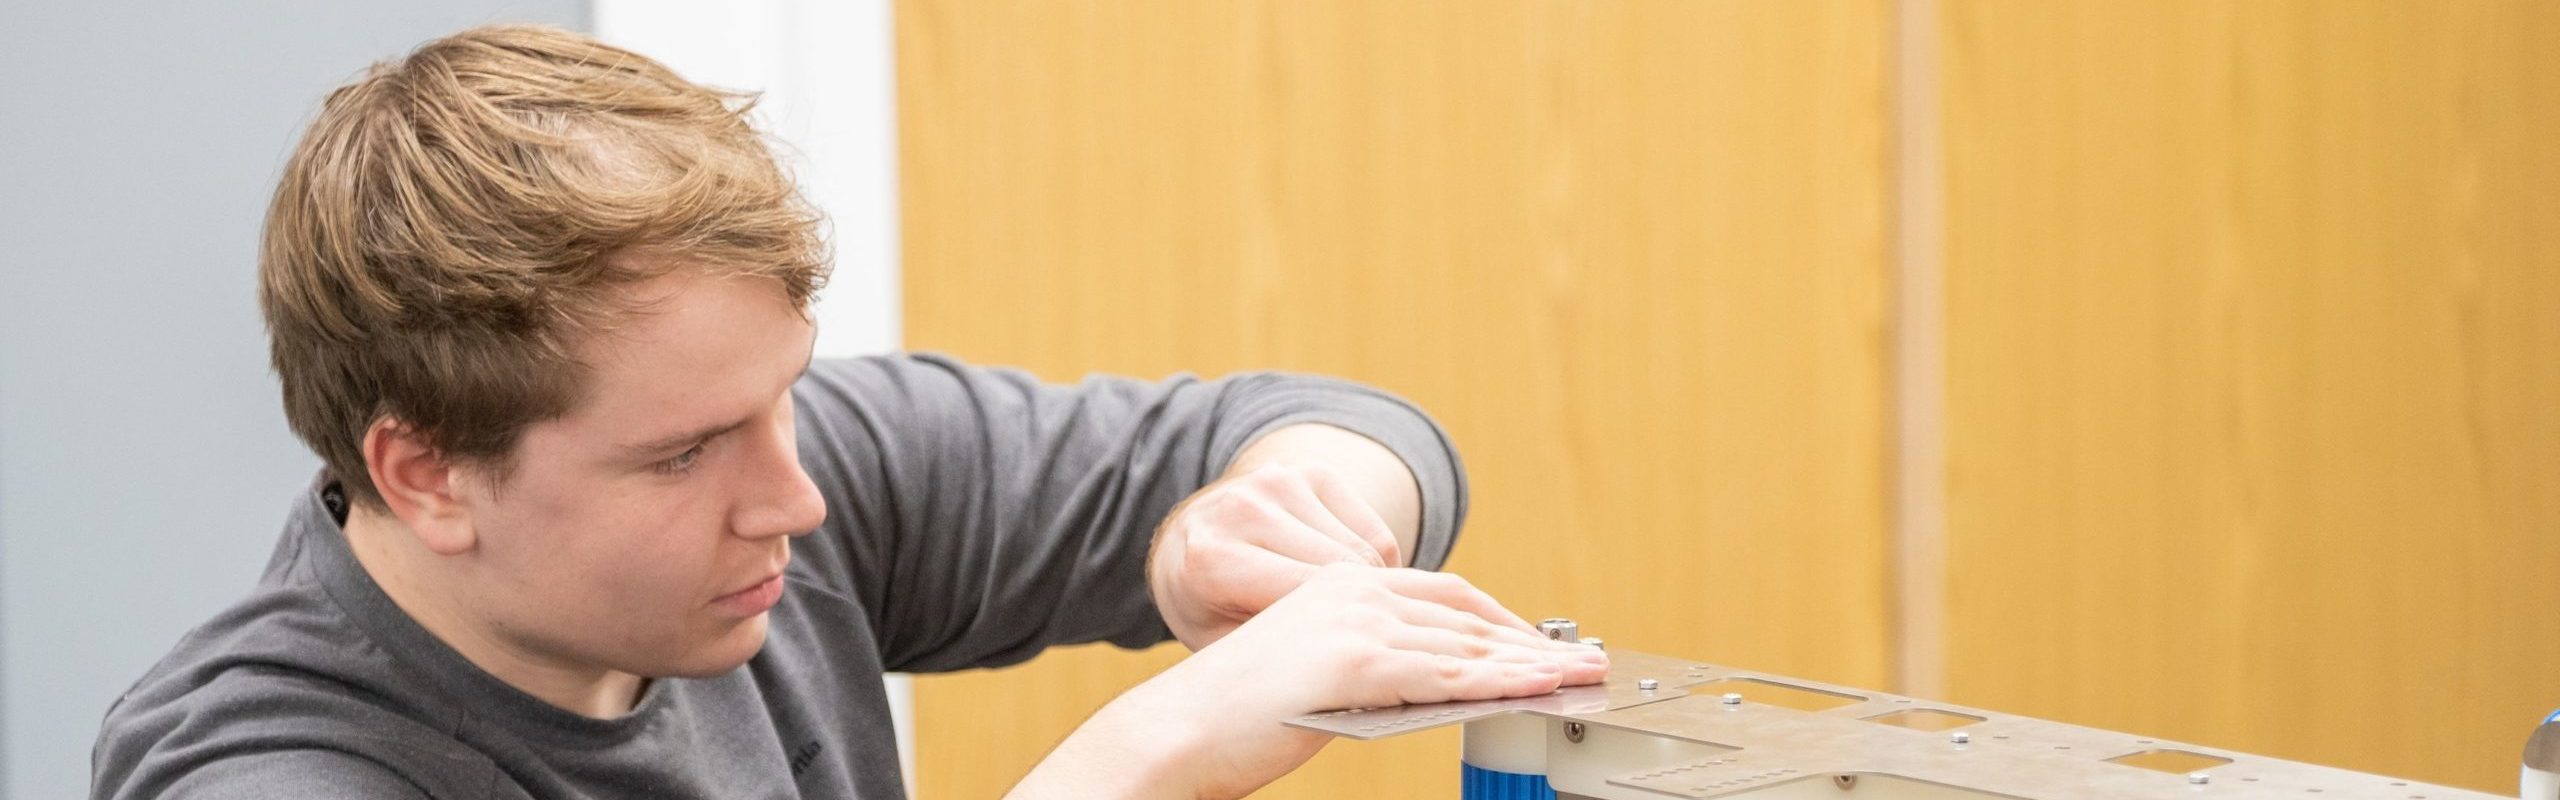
x,y
418,581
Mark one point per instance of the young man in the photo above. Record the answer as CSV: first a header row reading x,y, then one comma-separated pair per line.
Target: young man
x,y
594,525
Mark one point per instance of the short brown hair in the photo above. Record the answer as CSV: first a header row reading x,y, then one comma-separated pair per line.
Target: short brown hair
x,y
449,228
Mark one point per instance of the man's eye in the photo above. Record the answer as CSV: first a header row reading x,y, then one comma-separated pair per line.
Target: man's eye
x,y
682,463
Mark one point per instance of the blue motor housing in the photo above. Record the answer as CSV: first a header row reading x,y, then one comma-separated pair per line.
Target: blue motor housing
x,y
1478,783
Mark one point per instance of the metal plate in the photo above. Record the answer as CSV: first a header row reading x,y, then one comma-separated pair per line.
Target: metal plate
x,y
1619,691
2004,755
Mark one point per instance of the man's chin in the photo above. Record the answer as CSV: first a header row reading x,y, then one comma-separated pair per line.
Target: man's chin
x,y
717,657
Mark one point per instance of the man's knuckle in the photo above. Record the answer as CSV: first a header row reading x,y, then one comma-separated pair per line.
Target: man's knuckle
x,y
1446,582
1273,476
1448,668
1365,586
1364,660
1237,510
1203,554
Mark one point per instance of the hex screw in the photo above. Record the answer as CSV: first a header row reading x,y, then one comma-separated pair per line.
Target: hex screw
x,y
1648,684
1560,629
1733,698
2199,778
1960,737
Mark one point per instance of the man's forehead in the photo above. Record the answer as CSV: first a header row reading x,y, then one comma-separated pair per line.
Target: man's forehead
x,y
692,339
694,305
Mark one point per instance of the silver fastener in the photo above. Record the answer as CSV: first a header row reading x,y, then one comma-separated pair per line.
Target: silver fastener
x,y
1560,629
1648,684
1573,732
2199,778
1960,737
1733,698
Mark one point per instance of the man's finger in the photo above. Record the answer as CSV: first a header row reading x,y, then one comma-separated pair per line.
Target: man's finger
x,y
1355,512
1439,679
1432,614
1299,496
1444,641
1455,592
1290,537
1250,577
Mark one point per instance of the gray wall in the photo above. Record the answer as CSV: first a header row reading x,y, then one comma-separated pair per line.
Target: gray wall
x,y
144,464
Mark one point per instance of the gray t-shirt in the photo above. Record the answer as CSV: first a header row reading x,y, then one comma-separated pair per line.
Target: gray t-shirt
x,y
974,518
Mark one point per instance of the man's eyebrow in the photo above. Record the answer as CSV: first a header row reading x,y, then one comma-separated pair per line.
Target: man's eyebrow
x,y
665,443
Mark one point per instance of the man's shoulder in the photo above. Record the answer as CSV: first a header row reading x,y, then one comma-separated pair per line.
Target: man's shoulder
x,y
277,682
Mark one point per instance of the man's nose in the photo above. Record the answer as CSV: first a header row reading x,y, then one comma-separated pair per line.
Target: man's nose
x,y
780,499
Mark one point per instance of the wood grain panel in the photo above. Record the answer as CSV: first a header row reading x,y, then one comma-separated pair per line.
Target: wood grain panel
x,y
2254,351
1631,254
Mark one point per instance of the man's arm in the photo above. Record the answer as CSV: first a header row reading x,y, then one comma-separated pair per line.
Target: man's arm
x,y
981,515
1350,637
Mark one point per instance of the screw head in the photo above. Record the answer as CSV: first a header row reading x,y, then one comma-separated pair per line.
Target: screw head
x,y
2199,778
1648,684
1960,737
1560,629
1733,698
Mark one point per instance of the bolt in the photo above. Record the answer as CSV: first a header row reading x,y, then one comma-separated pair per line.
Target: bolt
x,y
1560,629
1573,732
2199,778
1594,641
1648,684
1960,737
1733,698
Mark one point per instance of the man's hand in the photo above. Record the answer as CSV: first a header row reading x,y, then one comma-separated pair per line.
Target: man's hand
x,y
1238,545
1349,637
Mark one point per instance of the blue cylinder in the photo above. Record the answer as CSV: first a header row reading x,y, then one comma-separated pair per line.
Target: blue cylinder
x,y
1478,783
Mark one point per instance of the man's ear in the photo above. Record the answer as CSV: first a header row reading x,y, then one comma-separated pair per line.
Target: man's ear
x,y
420,486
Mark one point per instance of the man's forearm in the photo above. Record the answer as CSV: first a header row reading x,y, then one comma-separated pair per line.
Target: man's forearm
x,y
1376,473
1117,753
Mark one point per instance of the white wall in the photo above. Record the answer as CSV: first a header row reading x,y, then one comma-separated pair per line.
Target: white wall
x,y
830,95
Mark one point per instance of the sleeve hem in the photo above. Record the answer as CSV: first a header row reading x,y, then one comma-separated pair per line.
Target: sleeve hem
x,y
1413,437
